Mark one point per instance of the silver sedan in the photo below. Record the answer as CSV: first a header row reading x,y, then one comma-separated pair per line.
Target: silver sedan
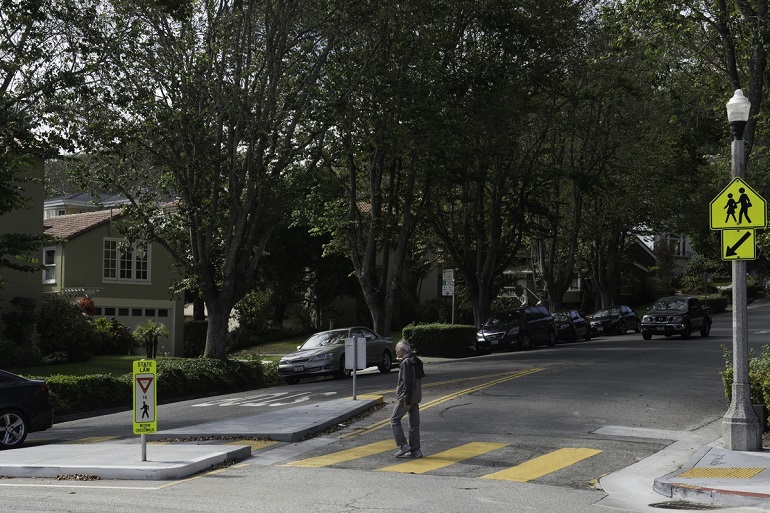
x,y
324,354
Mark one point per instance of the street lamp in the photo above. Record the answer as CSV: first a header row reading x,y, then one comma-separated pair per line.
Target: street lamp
x,y
741,430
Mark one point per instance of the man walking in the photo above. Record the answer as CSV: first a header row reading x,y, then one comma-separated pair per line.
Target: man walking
x,y
408,397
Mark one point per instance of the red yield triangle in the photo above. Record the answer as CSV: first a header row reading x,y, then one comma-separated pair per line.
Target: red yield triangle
x,y
144,383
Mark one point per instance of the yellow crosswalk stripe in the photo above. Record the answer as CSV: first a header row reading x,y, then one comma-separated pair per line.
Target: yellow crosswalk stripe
x,y
538,467
346,455
444,459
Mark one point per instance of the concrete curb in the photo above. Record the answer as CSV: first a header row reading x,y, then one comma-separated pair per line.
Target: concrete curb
x,y
122,461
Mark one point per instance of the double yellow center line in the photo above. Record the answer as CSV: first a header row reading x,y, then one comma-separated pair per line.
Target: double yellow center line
x,y
508,376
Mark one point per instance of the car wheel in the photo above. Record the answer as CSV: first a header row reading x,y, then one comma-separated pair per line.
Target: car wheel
x,y
13,427
588,334
291,381
706,329
646,335
343,372
623,328
638,326
551,339
387,362
572,335
686,333
526,343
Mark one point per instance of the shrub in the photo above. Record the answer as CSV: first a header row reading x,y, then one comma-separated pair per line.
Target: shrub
x,y
759,375
116,337
254,313
63,328
717,303
148,333
447,340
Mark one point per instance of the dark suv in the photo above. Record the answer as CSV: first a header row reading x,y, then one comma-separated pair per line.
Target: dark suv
x,y
518,328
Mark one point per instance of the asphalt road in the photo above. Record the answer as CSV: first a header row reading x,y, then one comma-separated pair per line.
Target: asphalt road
x,y
609,401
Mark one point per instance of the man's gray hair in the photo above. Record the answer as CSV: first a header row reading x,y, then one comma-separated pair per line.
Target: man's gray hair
x,y
403,344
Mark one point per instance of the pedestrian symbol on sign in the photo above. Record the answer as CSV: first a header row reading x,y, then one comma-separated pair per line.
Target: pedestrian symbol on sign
x,y
738,206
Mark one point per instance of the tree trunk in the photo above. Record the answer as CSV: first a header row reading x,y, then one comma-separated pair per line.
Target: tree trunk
x,y
217,330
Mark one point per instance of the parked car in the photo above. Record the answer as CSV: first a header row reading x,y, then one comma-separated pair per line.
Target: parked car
x,y
571,325
677,315
518,328
616,320
324,354
25,407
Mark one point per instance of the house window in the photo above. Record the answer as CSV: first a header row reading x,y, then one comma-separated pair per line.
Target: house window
x,y
132,265
49,265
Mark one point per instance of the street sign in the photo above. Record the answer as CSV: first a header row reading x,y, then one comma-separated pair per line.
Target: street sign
x,y
738,206
145,397
448,282
739,245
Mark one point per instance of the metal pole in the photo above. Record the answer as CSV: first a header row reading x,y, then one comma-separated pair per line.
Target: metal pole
x,y
741,430
355,364
144,447
453,306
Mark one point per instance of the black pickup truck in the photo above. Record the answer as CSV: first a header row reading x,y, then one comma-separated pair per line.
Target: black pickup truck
x,y
677,315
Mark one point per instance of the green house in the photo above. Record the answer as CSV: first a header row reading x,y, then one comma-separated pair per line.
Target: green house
x,y
132,284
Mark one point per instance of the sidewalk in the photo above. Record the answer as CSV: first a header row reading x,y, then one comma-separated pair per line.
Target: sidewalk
x,y
707,473
718,476
167,461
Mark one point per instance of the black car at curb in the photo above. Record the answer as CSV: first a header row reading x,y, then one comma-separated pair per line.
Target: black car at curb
x,y
25,407
571,325
615,320
517,328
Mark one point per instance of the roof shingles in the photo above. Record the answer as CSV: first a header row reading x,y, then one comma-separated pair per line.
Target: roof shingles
x,y
72,225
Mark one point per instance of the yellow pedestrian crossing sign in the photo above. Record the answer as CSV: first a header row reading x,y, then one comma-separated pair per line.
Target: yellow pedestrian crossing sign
x,y
145,397
739,245
738,206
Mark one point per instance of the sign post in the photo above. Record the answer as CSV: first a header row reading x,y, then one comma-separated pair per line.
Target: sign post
x,y
355,346
145,400
738,206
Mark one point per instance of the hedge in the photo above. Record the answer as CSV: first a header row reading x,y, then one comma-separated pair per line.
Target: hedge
x,y
445,340
177,379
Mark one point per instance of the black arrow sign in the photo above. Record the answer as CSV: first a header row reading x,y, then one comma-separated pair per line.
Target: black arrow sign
x,y
732,250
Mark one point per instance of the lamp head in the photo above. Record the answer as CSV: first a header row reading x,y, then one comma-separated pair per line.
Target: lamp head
x,y
738,107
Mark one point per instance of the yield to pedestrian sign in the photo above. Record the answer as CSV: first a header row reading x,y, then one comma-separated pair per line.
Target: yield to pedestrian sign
x,y
144,397
738,206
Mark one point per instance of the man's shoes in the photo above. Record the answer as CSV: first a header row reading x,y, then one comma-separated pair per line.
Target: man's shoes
x,y
416,454
403,451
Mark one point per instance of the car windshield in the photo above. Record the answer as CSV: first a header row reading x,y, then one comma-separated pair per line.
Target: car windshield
x,y
607,313
326,338
504,318
561,316
670,303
